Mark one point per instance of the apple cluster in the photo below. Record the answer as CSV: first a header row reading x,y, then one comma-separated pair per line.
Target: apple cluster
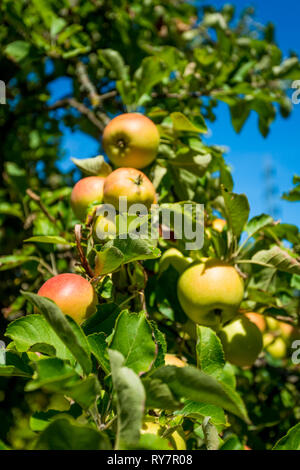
x,y
210,292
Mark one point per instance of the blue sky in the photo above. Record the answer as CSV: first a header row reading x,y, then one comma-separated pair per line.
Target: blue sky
x,y
248,152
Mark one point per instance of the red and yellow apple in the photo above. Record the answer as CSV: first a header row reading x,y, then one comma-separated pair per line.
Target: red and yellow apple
x,y
73,294
86,192
210,293
131,183
131,140
242,341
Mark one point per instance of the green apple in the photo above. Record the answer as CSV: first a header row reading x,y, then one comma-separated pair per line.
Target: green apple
x,y
242,341
210,293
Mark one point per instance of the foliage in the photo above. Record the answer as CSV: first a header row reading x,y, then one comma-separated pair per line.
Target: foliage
x,y
65,386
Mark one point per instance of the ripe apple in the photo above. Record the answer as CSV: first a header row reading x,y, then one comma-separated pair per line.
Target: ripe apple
x,y
258,319
131,183
131,140
73,294
172,360
86,191
218,224
210,293
176,442
104,228
242,342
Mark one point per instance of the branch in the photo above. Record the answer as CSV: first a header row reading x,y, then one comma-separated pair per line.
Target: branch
x,y
37,199
65,102
82,256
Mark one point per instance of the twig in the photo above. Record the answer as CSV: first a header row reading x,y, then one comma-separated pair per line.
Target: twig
x,y
37,199
65,102
87,85
83,260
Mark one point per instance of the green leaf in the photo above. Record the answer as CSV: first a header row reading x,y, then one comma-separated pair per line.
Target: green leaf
x,y
103,320
159,395
66,328
18,50
61,434
133,338
13,261
237,211
85,392
95,166
130,401
198,410
114,62
291,441
49,239
98,347
277,258
257,223
32,331
15,365
53,374
193,384
210,355
183,124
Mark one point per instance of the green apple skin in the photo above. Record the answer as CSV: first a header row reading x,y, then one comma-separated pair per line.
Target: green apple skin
x,y
174,257
242,342
131,140
104,229
210,293
86,191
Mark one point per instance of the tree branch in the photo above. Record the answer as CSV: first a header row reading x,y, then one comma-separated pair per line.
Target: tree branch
x,y
37,199
82,256
65,102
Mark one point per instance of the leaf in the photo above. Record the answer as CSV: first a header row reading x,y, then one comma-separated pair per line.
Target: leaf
x,y
198,410
152,71
196,164
277,258
26,332
53,374
291,441
239,115
66,328
257,223
114,61
210,355
85,392
61,434
133,338
15,365
18,50
49,239
130,401
95,166
183,124
98,347
13,261
159,395
237,211
103,320
193,384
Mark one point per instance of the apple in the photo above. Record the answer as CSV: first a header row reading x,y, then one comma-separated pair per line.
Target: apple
x,y
242,341
174,257
218,224
73,294
210,293
104,228
86,191
258,319
131,140
176,442
276,346
172,360
131,183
